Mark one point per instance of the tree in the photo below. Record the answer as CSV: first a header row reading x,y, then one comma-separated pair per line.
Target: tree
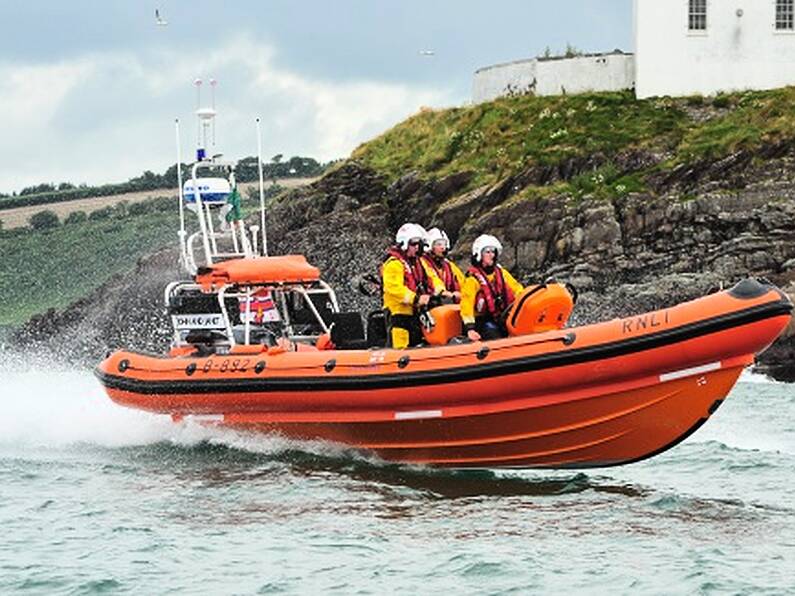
x,y
572,51
303,166
75,217
102,213
44,220
32,190
276,160
170,175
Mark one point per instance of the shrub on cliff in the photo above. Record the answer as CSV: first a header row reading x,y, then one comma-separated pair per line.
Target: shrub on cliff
x,y
99,214
75,217
44,220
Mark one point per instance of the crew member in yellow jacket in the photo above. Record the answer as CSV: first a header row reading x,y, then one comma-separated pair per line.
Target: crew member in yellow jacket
x,y
447,278
407,286
488,290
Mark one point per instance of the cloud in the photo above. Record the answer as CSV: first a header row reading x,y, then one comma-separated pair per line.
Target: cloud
x,y
106,117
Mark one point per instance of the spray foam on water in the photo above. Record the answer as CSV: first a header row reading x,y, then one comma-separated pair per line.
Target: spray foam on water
x,y
54,408
51,408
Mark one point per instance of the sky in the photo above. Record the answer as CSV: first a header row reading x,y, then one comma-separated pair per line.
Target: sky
x,y
89,90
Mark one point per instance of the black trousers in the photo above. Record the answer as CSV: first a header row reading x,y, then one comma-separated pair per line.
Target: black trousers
x,y
410,323
489,328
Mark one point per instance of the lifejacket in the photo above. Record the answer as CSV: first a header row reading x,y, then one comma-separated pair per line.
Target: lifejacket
x,y
413,274
445,273
494,296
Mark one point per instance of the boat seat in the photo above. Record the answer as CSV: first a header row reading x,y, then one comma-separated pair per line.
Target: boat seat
x,y
347,331
376,329
265,334
205,336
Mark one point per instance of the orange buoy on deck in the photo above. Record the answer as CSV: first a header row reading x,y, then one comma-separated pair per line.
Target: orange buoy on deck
x,y
540,308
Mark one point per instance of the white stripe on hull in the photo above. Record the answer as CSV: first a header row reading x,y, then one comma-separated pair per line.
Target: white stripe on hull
x,y
689,372
418,415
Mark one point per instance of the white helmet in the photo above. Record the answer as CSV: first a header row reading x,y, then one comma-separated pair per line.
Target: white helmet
x,y
483,242
435,235
409,232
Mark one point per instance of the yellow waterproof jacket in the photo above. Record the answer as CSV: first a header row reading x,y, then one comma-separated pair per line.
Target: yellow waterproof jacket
x,y
398,298
459,275
471,288
438,282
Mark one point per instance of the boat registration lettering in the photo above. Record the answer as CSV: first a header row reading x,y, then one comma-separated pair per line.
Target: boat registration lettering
x,y
643,322
198,321
377,357
227,365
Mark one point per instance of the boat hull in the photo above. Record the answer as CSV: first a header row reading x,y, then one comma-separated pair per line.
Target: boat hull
x,y
602,430
599,395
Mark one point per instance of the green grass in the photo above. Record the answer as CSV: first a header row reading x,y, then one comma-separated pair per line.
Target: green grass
x,y
752,119
52,268
503,137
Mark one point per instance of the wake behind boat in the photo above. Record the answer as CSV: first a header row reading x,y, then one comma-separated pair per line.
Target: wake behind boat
x,y
260,344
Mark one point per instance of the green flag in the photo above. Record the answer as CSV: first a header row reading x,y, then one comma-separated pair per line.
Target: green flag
x,y
235,213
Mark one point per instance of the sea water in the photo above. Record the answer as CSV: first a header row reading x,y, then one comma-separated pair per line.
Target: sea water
x,y
95,498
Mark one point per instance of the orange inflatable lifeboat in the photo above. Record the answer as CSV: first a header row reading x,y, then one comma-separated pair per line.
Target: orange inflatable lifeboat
x,y
596,395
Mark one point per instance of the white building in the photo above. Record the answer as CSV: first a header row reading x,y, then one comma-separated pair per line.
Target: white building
x,y
682,47
687,47
556,76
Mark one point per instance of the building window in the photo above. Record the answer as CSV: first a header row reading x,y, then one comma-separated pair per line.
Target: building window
x,y
785,15
697,15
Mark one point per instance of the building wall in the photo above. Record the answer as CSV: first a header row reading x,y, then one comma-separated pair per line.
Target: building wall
x,y
604,72
734,53
607,72
498,80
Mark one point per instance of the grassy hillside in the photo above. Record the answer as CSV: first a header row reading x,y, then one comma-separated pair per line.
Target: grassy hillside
x,y
503,137
41,269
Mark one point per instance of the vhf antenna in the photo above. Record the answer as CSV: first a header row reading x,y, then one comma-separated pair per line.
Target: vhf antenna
x,y
213,84
198,83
